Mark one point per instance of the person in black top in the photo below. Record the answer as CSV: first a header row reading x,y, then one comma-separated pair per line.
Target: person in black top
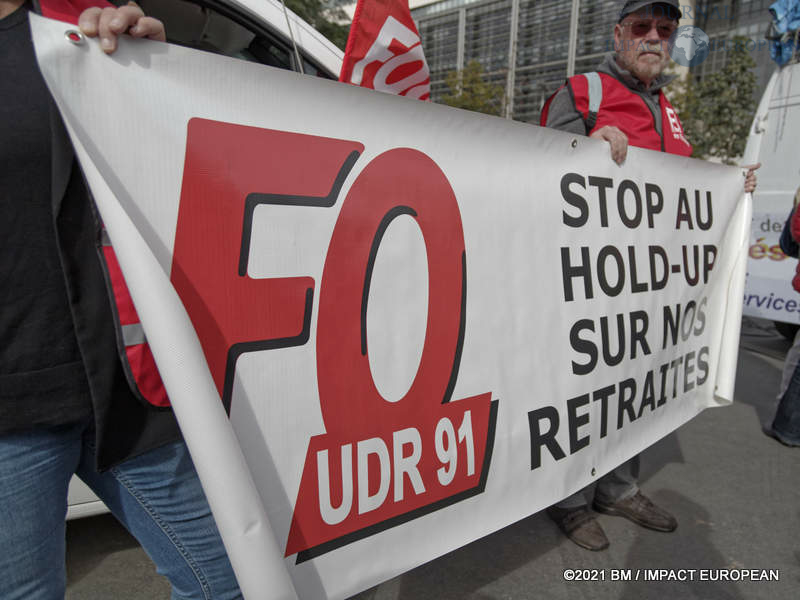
x,y
66,406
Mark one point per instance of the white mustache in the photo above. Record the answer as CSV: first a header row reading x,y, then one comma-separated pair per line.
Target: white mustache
x,y
656,49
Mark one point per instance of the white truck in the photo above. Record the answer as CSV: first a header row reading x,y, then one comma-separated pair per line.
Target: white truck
x,y
774,141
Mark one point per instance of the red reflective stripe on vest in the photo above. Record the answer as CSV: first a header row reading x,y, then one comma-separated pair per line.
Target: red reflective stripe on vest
x,y
139,357
125,309
68,10
148,380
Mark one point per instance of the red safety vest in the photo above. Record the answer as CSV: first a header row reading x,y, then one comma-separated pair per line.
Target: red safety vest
x,y
137,359
603,100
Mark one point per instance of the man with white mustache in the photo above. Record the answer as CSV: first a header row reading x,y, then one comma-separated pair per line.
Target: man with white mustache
x,y
623,104
627,87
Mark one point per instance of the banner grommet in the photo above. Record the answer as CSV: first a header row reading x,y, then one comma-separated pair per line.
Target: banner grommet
x,y
74,37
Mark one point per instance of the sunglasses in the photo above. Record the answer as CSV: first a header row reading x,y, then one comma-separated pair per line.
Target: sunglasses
x,y
665,29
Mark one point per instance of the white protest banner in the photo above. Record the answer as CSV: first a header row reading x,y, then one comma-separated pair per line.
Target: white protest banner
x,y
424,323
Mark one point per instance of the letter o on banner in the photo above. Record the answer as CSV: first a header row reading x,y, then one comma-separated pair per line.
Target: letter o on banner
x,y
398,182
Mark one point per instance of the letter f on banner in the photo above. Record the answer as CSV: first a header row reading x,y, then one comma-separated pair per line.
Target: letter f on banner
x,y
384,50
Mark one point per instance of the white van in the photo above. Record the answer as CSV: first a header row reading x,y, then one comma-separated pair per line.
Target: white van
x,y
774,141
254,30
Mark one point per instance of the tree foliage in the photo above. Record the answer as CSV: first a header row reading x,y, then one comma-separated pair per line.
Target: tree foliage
x,y
469,90
716,112
326,16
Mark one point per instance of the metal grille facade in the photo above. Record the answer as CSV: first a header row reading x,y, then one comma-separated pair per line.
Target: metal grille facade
x,y
723,19
523,44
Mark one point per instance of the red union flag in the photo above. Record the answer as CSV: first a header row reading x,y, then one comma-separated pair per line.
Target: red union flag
x,y
68,10
384,50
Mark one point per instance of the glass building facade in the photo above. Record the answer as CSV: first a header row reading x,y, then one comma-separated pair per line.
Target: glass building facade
x,y
723,19
523,44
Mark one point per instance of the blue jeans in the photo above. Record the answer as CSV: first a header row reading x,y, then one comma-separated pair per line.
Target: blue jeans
x,y
786,424
156,496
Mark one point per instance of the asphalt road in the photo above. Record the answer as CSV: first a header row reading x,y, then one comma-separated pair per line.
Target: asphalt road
x,y
735,492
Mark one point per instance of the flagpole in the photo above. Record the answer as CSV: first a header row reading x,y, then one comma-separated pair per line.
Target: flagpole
x,y
573,37
512,59
291,36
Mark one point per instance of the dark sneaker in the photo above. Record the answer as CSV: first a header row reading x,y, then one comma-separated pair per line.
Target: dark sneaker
x,y
579,525
639,509
775,436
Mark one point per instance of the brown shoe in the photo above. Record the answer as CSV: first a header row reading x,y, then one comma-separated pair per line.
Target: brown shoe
x,y
639,509
579,525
